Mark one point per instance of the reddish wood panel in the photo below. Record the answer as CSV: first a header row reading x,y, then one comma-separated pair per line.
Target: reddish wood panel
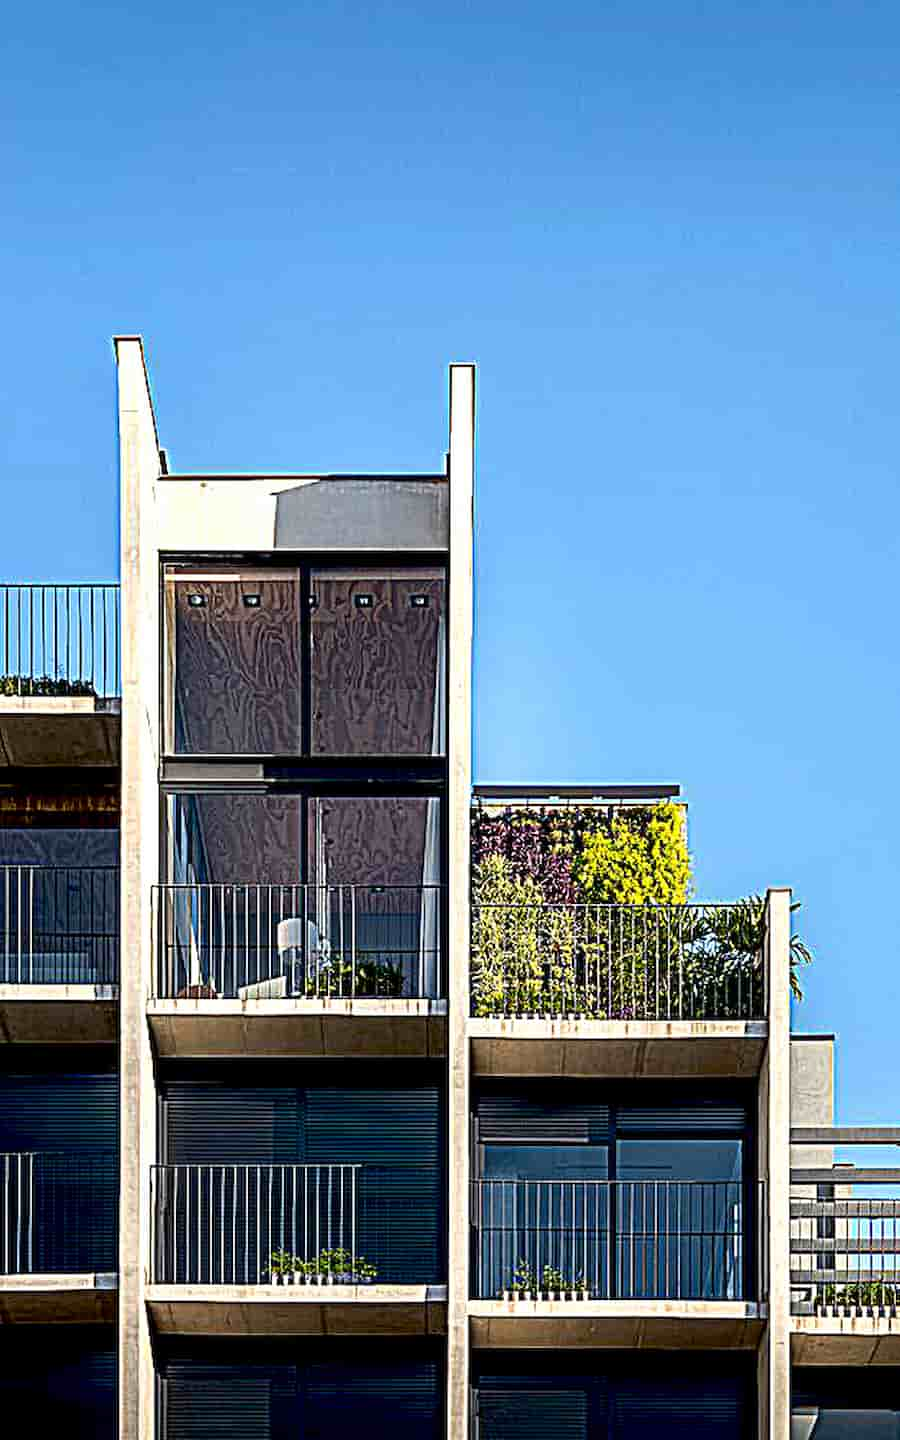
x,y
373,669
238,668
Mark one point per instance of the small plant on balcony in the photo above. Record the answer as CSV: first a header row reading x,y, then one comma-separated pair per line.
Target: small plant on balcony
x,y
285,1268
30,686
524,1283
553,1285
863,1295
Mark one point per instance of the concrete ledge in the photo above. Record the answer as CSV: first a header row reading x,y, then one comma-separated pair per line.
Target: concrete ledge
x,y
84,1299
616,1324
301,1310
59,730
845,1340
327,1029
617,1048
58,1014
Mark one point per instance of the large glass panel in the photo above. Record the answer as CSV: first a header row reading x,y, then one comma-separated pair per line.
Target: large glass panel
x,y
378,641
260,904
233,661
376,866
679,1219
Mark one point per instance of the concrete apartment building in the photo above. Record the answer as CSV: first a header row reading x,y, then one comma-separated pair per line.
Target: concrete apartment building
x,y
302,1132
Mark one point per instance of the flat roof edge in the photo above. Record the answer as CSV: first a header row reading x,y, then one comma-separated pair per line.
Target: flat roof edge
x,y
576,792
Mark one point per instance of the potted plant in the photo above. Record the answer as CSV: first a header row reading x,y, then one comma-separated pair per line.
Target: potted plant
x,y
552,1283
281,1265
524,1283
363,1272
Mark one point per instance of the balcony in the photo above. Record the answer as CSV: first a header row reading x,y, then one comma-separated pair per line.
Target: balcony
x,y
669,989
845,1261
59,675
58,1237
615,1263
290,970
292,1249
59,954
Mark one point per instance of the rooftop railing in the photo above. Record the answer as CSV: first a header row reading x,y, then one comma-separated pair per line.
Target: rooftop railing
x,y
263,942
58,1213
619,962
612,1239
291,1225
60,640
59,925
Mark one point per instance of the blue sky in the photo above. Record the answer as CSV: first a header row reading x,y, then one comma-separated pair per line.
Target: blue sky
x,y
668,234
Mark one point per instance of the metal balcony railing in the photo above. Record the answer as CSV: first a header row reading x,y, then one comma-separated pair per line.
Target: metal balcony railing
x,y
59,925
60,640
612,1239
263,942
619,962
291,1224
845,1253
58,1213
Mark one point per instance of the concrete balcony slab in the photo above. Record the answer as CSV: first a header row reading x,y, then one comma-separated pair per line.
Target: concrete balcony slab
x,y
85,1299
845,1339
616,1324
607,1049
286,1028
302,1310
58,1014
59,730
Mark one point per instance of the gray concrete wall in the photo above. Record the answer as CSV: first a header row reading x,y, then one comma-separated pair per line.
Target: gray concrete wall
x,y
774,1365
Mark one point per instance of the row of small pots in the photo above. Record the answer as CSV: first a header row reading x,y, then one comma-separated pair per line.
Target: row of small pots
x,y
299,1277
546,1295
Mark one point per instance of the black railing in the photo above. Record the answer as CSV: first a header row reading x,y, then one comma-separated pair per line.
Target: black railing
x,y
59,925
619,962
845,1253
293,1224
58,1213
611,1239
60,640
259,942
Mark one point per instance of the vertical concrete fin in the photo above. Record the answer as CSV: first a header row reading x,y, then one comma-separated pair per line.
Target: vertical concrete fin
x,y
139,471
775,1095
461,471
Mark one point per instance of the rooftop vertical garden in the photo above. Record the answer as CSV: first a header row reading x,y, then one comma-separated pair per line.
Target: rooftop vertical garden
x,y
585,911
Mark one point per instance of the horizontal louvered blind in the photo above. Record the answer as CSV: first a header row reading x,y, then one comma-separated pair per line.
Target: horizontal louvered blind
x,y
76,1114
526,1119
681,1119
60,1383
374,1127
230,1124
713,1409
533,1414
318,1402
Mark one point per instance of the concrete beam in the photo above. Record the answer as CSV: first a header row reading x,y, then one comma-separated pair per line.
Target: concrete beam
x,y
845,1340
58,1014
774,1169
401,1310
51,731
616,1324
322,1029
82,1299
611,1049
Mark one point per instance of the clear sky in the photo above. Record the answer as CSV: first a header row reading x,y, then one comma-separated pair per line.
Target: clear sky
x,y
668,233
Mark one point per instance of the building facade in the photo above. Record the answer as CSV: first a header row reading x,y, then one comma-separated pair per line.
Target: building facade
x,y
328,1099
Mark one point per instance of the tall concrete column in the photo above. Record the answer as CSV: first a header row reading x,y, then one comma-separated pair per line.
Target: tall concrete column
x,y
775,1169
461,476
139,469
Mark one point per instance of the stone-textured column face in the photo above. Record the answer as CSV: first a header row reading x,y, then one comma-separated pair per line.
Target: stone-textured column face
x,y
775,1169
139,468
461,475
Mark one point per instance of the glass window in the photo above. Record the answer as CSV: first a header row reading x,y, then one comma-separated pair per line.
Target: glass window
x,y
546,1162
714,1160
233,661
378,641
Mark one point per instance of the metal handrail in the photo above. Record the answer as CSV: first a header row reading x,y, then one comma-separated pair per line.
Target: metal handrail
x,y
612,1239
619,962
259,941
250,1224
845,1249
60,640
59,924
57,1212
